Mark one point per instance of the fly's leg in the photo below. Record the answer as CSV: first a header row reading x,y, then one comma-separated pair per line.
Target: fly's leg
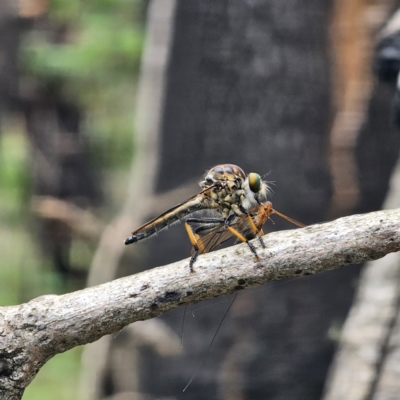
x,y
258,233
193,258
206,223
195,238
253,227
234,232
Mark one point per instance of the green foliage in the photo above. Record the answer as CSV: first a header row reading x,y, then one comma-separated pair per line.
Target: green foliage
x,y
23,273
47,382
14,179
104,53
91,51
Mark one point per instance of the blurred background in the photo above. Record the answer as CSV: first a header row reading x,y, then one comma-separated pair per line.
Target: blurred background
x,y
110,113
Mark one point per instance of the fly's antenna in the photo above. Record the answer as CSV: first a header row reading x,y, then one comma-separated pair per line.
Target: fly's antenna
x,y
265,175
211,343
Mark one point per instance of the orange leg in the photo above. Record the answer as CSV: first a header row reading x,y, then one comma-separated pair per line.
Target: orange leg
x,y
197,246
194,238
243,239
255,230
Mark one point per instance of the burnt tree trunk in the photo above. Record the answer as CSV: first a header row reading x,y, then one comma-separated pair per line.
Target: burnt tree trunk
x,y
249,83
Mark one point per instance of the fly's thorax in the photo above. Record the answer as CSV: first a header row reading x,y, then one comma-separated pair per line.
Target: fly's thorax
x,y
231,190
223,197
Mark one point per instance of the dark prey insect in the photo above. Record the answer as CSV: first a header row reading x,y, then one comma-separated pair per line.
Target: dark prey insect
x,y
210,236
227,193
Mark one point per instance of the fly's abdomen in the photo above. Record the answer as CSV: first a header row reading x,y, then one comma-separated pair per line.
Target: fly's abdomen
x,y
169,217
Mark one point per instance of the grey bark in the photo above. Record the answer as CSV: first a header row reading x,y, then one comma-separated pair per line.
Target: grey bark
x,y
32,333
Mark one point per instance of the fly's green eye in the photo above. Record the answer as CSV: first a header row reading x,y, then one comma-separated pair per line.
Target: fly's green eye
x,y
254,182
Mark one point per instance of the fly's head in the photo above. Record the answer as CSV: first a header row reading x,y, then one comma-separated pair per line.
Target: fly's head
x,y
255,191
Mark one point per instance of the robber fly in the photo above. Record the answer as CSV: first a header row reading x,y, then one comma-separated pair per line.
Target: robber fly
x,y
227,193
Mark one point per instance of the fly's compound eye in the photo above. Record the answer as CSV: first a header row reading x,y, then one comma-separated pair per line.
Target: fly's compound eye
x,y
254,182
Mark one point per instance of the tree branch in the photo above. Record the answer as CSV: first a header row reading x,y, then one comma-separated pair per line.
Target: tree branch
x,y
32,333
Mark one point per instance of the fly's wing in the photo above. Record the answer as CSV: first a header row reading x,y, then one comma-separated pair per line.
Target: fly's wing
x,y
212,235
211,238
192,204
